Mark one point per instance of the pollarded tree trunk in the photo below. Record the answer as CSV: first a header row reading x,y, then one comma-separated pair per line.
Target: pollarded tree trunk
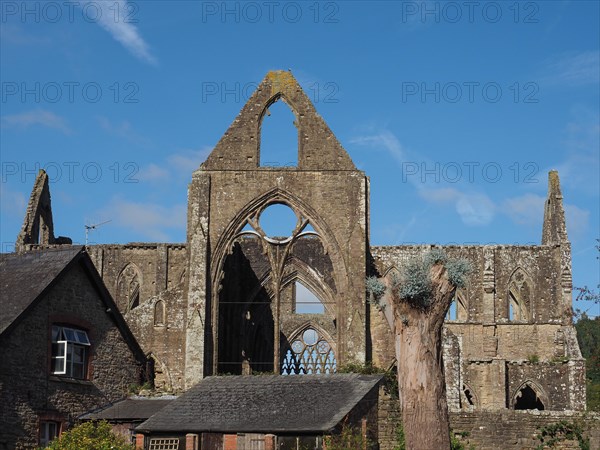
x,y
418,335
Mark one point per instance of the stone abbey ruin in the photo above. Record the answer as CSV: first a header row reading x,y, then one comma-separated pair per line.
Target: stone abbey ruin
x,y
230,299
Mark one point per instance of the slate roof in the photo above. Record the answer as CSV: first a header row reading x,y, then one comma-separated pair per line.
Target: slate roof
x,y
130,410
26,277
23,277
263,403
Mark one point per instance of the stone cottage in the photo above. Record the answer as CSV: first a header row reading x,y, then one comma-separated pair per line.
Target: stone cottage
x,y
64,346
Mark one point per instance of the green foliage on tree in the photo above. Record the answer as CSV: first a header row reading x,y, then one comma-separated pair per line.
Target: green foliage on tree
x,y
375,290
90,436
553,435
588,335
415,285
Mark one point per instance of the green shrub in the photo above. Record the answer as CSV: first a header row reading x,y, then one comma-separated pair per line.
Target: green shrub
x,y
348,438
552,435
90,436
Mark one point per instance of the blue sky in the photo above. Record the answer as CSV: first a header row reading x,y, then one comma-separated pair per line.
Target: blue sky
x,y
455,110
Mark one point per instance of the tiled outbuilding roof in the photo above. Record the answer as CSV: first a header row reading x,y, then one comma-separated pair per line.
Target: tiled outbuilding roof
x,y
263,403
130,410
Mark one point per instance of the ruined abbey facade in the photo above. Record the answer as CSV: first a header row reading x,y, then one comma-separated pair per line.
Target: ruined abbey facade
x,y
231,299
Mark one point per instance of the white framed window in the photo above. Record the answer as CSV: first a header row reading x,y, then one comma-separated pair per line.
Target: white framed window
x,y
49,430
70,349
164,444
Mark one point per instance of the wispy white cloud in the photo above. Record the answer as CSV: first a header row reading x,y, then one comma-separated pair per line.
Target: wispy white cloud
x,y
35,117
115,17
577,219
153,172
573,69
123,130
526,209
187,161
474,209
383,140
13,34
176,166
149,220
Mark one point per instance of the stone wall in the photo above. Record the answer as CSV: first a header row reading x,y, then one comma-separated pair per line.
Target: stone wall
x,y
489,356
517,429
160,267
159,327
27,390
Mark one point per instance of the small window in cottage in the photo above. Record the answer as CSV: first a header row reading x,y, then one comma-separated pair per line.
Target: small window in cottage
x,y
49,430
164,444
70,351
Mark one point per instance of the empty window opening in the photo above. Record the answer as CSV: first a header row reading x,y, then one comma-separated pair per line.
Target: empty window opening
x,y
134,295
159,314
305,302
309,228
516,309
451,314
468,395
457,310
310,353
128,288
278,221
528,399
278,137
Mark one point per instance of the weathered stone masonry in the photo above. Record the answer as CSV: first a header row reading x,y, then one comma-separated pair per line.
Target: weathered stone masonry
x,y
225,301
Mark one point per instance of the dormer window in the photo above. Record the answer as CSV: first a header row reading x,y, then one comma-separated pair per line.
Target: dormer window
x,y
70,350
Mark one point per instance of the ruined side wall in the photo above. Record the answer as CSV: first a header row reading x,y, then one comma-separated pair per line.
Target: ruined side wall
x,y
494,353
162,266
159,327
28,391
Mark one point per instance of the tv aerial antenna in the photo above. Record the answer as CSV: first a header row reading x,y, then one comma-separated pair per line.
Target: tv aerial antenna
x,y
89,228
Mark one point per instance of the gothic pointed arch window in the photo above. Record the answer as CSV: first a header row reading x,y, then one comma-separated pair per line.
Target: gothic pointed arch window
x,y
309,352
468,398
128,288
529,396
278,136
519,297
